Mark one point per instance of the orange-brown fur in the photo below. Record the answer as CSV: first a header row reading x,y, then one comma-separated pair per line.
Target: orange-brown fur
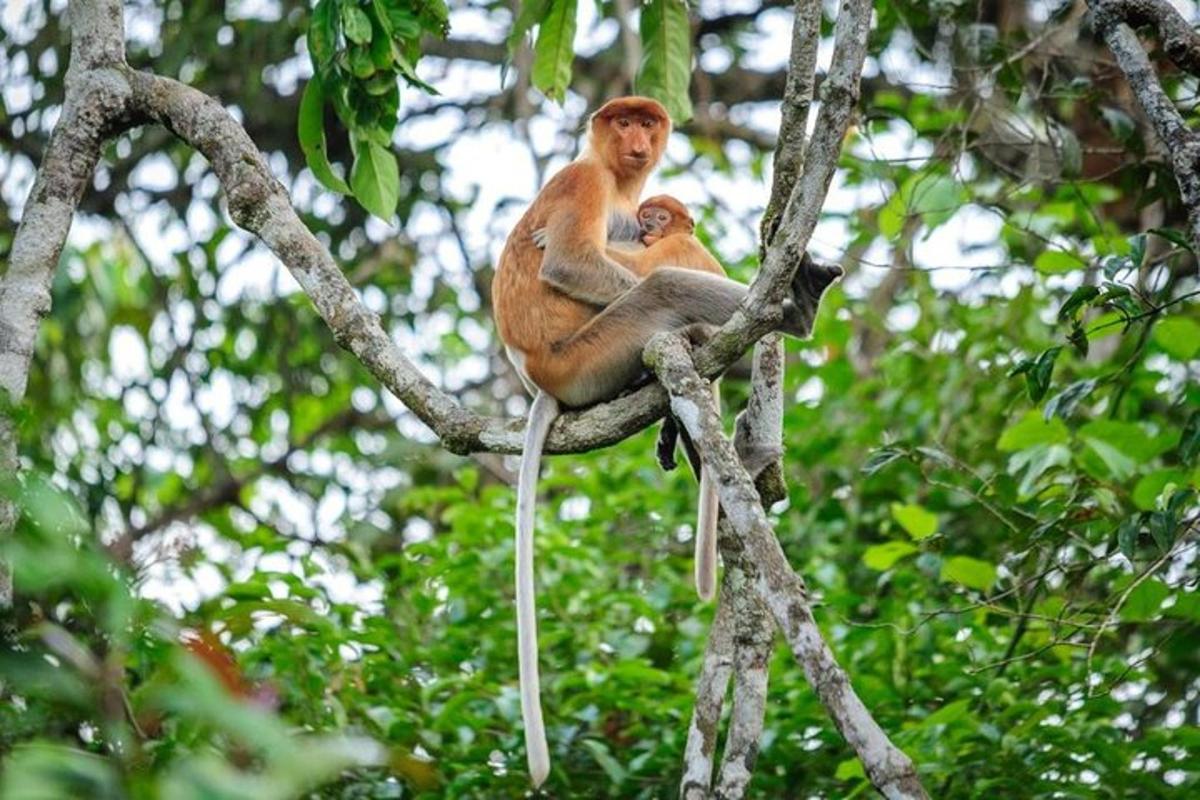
x,y
669,242
532,315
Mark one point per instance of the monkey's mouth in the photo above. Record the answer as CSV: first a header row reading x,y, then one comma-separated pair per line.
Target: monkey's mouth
x,y
637,161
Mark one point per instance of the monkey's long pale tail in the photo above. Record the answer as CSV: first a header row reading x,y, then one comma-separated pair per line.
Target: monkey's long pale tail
x,y
541,414
706,526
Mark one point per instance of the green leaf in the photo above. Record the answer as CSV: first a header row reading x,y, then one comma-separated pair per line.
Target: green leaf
x,y
311,132
1032,430
934,196
920,523
849,769
1057,261
1063,403
1189,438
322,39
1162,529
555,50
1178,336
1145,601
883,556
375,179
1127,535
666,68
949,713
44,770
355,23
1149,487
612,768
1173,236
1037,377
1078,299
970,572
880,459
1129,439
1187,606
532,11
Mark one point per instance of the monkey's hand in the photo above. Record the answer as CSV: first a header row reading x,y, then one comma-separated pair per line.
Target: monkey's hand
x,y
539,237
668,437
650,238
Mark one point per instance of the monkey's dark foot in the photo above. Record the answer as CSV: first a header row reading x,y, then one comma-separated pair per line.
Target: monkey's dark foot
x,y
644,378
810,282
668,437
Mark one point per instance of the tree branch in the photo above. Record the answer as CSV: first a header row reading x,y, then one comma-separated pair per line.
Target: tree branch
x,y
1179,39
793,128
710,697
95,107
781,589
1182,144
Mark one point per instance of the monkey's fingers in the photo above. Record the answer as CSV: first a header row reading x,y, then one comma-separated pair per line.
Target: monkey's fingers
x,y
668,436
539,237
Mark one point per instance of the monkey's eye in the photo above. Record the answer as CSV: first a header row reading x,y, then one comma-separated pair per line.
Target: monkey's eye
x,y
622,123
648,124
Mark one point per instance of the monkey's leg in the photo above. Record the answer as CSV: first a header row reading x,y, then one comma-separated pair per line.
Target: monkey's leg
x,y
605,355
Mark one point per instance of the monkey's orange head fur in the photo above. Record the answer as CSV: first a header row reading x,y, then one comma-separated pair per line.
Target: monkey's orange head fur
x,y
630,134
664,215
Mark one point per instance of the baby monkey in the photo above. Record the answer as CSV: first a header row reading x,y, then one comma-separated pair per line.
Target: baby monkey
x,y
668,233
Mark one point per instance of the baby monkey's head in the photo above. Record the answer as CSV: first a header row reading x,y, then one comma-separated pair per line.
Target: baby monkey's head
x,y
663,215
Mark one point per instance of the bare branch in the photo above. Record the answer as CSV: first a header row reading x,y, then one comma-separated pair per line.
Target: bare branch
x,y
94,109
759,432
1179,39
793,128
710,697
1182,144
782,590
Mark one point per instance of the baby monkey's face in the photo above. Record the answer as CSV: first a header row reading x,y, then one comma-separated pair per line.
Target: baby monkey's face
x,y
653,220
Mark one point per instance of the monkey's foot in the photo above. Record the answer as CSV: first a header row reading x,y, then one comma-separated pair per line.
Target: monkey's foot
x,y
810,282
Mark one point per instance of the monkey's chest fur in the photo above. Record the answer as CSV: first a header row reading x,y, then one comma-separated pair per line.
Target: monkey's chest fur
x,y
623,227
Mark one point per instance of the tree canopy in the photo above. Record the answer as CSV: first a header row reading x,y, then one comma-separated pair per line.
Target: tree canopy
x,y
244,567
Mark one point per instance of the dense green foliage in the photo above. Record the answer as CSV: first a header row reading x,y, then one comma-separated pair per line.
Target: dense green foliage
x,y
243,571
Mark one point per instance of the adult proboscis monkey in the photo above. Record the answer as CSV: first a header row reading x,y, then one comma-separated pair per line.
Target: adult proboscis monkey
x,y
574,321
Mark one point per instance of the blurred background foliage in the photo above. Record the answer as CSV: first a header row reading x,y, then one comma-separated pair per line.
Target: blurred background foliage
x,y
243,571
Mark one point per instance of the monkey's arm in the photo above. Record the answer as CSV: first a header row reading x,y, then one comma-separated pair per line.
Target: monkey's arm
x,y
575,262
675,250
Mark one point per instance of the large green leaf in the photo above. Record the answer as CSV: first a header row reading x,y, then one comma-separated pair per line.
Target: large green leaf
x,y
1179,336
1032,430
555,50
666,68
973,573
311,131
914,518
375,179
884,556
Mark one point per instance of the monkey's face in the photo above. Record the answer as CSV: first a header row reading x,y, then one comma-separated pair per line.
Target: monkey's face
x,y
638,141
653,220
630,134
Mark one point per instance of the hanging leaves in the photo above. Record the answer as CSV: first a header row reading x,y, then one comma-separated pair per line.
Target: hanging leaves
x,y
666,68
555,49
